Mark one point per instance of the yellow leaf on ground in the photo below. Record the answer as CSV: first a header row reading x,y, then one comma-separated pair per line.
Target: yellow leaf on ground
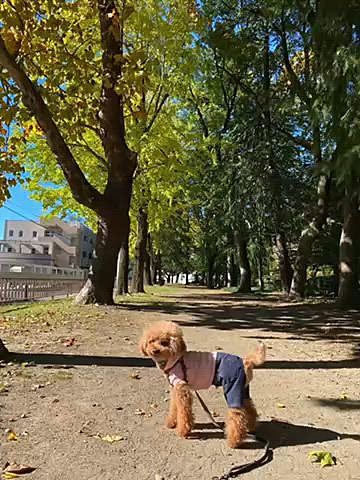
x,y
11,436
9,475
112,438
326,459
280,405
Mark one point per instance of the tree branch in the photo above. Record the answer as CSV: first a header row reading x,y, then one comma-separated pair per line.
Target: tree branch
x,y
200,115
81,189
295,82
121,160
249,91
157,112
230,108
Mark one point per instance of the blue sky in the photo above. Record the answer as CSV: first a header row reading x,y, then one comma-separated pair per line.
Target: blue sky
x,y
21,203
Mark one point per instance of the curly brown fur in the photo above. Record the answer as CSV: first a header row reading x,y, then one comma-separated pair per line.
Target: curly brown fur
x,y
251,415
171,420
184,416
162,340
254,359
236,426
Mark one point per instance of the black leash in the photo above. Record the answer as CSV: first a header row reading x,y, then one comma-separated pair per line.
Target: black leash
x,y
237,470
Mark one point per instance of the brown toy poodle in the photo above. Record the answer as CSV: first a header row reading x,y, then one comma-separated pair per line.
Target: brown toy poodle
x,y
187,371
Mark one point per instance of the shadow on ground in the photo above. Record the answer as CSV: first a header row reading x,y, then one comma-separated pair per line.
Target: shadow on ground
x,y
109,361
324,321
279,434
337,404
78,360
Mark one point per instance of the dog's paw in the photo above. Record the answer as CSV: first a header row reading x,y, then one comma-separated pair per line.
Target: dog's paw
x,y
170,422
184,430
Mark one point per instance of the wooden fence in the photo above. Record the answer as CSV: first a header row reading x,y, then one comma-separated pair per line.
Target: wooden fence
x,y
23,289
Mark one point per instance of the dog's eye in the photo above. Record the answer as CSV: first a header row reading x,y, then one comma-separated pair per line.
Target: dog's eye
x,y
165,343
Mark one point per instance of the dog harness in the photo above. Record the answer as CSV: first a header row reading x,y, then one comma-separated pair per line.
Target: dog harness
x,y
201,370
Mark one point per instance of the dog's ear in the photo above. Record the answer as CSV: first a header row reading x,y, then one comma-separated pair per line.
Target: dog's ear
x,y
177,345
143,345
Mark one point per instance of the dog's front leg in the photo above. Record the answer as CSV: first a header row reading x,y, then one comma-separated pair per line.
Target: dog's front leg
x,y
172,416
184,417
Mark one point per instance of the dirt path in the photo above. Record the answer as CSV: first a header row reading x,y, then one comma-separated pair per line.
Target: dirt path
x,y
68,397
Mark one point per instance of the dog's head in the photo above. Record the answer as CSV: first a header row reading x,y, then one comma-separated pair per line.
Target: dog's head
x,y
163,340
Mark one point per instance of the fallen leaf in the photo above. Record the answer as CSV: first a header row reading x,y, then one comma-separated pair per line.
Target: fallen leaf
x,y
343,396
69,342
19,469
135,376
11,436
215,414
139,412
112,438
280,405
218,348
326,459
159,477
9,475
154,405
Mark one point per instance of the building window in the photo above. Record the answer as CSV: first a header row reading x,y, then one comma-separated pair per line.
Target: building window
x,y
85,238
83,254
21,233
9,249
48,233
11,233
33,250
90,255
91,241
34,234
46,250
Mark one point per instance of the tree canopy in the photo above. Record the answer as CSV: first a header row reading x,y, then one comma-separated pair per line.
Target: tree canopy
x,y
237,126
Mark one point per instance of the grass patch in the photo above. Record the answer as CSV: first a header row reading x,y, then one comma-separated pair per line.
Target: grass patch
x,y
46,314
154,295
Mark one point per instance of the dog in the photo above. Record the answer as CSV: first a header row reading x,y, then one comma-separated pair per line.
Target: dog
x,y
187,370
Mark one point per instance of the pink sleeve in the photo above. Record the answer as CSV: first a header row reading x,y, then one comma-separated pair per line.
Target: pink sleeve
x,y
176,375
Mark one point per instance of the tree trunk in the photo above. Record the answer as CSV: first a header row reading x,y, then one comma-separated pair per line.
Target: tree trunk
x,y
348,261
308,237
234,271
286,271
186,278
244,264
210,272
122,278
140,253
111,234
148,262
261,273
276,187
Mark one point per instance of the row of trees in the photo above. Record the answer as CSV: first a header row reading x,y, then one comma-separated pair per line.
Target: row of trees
x,y
220,137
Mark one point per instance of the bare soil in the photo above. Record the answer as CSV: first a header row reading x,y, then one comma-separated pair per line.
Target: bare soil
x,y
64,399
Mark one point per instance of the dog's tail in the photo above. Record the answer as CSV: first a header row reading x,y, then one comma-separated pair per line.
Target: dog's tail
x,y
256,358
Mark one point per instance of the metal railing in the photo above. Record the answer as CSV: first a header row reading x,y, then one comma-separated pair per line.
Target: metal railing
x,y
15,290
38,271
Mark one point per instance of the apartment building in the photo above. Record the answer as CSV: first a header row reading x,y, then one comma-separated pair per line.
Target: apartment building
x,y
49,242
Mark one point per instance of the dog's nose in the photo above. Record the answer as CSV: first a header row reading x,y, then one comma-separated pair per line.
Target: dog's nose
x,y
156,351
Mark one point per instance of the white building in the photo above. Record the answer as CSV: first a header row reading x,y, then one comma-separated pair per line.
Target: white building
x,y
49,242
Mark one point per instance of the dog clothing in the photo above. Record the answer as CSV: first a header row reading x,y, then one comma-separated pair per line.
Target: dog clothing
x,y
203,369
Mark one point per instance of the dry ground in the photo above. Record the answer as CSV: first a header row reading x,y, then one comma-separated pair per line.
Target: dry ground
x,y
61,400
